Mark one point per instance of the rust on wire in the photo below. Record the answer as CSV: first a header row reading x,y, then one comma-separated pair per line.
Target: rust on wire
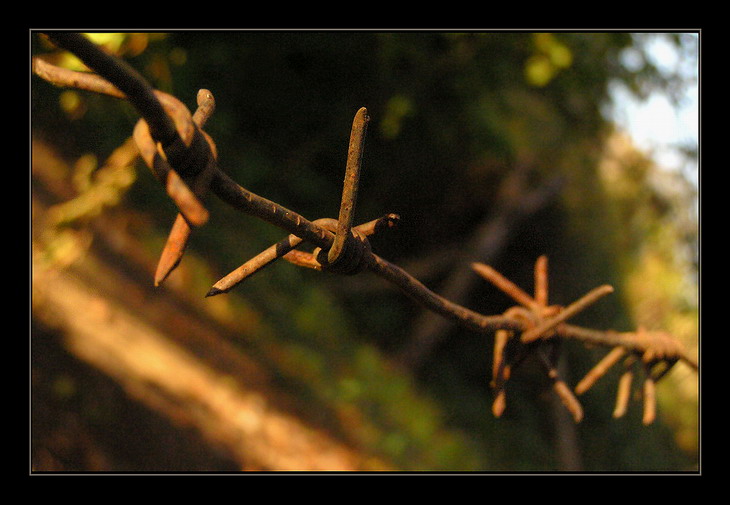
x,y
185,160
151,148
655,353
285,248
538,318
562,390
180,233
350,186
571,310
623,393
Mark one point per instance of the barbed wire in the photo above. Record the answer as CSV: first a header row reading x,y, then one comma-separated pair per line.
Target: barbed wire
x,y
184,158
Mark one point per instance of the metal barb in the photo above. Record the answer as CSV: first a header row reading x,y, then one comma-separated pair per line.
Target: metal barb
x,y
285,249
600,369
657,354
504,284
534,314
571,310
350,186
179,235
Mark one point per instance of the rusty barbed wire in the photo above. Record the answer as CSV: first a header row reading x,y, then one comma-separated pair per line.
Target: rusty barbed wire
x,y
184,159
178,237
540,321
655,355
286,249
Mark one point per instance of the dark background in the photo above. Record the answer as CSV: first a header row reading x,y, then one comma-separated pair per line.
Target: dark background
x,y
491,147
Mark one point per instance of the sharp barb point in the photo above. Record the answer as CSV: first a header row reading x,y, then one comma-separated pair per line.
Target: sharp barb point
x,y
214,291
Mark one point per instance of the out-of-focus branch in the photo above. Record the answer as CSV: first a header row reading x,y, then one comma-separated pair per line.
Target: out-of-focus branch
x,y
515,203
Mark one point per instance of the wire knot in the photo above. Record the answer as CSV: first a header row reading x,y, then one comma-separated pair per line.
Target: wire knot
x,y
177,164
350,259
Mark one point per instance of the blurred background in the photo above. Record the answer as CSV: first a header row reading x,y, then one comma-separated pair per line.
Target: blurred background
x,y
494,147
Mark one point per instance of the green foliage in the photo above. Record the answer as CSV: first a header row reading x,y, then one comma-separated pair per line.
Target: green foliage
x,y
452,115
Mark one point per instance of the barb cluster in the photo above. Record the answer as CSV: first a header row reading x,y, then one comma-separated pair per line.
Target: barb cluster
x,y
184,158
538,336
654,353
